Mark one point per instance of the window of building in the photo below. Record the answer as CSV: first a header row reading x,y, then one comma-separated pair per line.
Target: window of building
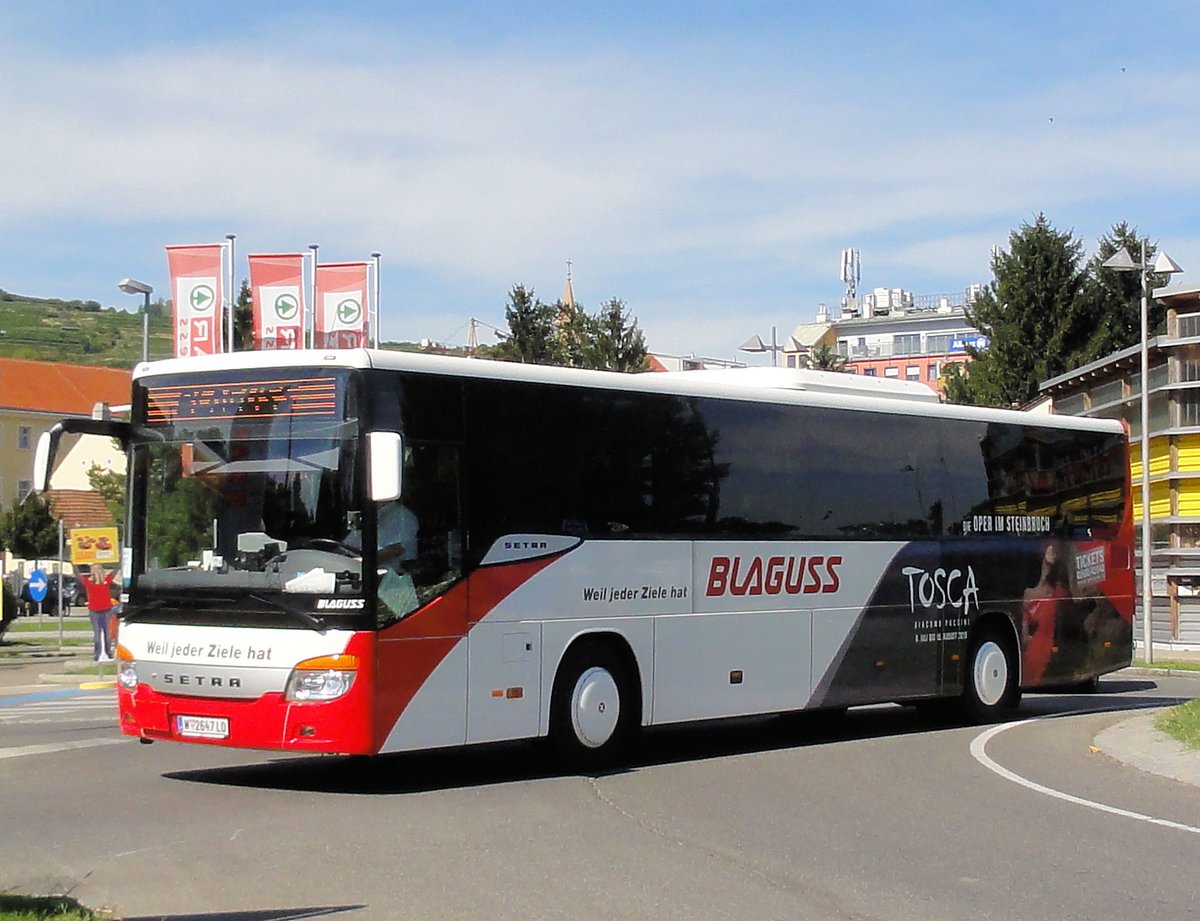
x,y
24,488
912,373
1107,393
931,372
1189,325
868,372
1189,535
1189,368
937,344
24,435
1070,406
891,372
1189,408
907,344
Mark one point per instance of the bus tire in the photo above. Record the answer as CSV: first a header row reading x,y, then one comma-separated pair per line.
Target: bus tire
x,y
593,707
993,678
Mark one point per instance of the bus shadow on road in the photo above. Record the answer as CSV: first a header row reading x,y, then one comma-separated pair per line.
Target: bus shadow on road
x,y
514,762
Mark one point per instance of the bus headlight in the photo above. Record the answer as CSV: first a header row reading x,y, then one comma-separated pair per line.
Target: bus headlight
x,y
126,673
321,679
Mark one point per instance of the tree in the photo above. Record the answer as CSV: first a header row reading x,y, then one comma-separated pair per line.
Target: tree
x,y
1113,300
826,358
957,389
28,529
1033,313
243,319
530,329
616,342
566,335
111,486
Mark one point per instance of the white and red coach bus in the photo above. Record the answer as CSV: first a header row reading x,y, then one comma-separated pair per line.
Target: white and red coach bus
x,y
372,551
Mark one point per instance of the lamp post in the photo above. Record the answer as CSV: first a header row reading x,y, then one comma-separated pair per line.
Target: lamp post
x,y
755,344
1121,261
131,286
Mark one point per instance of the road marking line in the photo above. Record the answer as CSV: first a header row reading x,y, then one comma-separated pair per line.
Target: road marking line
x,y
50,749
978,751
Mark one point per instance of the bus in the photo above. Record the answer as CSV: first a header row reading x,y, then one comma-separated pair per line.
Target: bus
x,y
369,551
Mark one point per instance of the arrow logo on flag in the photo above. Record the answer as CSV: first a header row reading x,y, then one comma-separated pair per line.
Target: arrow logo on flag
x,y
286,306
348,311
202,298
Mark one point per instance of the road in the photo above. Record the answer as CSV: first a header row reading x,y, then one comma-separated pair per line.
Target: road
x,y
881,815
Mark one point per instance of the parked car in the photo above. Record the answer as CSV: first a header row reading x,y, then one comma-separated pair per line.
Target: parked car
x,y
74,595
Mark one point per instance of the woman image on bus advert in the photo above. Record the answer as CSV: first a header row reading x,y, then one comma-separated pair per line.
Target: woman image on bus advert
x,y
1041,612
100,604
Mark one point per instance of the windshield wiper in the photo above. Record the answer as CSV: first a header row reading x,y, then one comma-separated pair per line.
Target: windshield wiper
x,y
313,623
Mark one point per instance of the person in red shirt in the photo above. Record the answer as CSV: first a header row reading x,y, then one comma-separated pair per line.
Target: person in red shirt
x,y
99,600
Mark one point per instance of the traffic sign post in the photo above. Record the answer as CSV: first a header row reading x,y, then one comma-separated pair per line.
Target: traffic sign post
x,y
38,586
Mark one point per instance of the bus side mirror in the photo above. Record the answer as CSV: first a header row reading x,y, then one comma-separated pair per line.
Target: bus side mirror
x,y
385,465
47,447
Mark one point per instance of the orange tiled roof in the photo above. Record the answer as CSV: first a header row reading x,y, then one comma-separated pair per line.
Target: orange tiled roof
x,y
79,508
50,386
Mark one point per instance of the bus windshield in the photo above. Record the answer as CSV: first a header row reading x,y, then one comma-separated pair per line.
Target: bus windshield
x,y
248,485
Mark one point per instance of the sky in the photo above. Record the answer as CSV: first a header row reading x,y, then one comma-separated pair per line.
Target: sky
x,y
704,162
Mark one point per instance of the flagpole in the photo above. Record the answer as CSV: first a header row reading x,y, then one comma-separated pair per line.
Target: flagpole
x,y
230,322
310,331
375,302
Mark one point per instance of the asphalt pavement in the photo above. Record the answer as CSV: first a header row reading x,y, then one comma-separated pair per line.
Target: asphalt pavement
x,y
1134,741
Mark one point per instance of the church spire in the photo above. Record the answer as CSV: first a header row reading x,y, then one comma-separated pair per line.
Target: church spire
x,y
568,297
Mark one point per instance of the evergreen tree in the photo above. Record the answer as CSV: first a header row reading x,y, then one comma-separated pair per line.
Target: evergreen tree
x,y
1113,299
1033,313
243,319
617,344
530,329
567,335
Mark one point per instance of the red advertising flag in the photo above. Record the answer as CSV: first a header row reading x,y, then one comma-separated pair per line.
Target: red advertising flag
x,y
196,291
277,289
341,308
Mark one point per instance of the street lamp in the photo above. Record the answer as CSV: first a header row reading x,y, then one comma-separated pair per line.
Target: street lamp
x,y
1163,264
132,286
755,344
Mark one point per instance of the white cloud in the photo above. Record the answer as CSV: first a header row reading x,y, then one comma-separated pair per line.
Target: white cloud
x,y
730,188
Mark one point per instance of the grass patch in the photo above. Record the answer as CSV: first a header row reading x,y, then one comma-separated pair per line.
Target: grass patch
x,y
1182,723
31,625
43,908
1173,665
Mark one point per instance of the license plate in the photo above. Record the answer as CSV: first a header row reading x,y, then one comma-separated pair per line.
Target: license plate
x,y
203,727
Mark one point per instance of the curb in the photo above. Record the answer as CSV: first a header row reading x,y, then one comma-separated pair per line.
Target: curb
x,y
1150,672
1137,743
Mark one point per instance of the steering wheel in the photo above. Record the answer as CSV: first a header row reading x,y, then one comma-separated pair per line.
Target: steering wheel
x,y
331,546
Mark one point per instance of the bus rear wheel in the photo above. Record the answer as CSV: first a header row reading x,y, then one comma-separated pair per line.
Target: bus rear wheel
x,y
593,708
993,679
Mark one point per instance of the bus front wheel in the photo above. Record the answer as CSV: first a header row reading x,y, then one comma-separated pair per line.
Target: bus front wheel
x,y
992,684
592,711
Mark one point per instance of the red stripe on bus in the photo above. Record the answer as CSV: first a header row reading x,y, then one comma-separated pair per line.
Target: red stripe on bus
x,y
409,651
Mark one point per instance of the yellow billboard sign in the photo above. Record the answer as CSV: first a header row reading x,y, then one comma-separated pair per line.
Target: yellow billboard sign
x,y
94,545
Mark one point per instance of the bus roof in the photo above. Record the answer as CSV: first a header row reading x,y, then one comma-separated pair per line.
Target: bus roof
x,y
770,385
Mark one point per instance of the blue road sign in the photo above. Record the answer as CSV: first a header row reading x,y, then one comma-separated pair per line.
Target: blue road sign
x,y
38,585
